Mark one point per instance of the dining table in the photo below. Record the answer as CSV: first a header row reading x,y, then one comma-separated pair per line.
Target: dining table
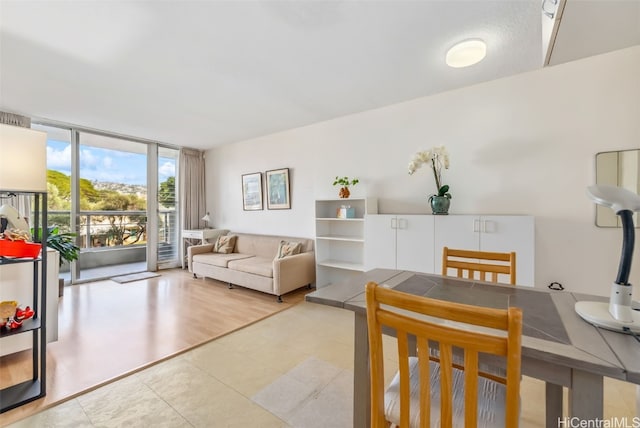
x,y
558,347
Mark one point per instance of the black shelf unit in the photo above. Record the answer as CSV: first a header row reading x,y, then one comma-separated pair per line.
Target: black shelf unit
x,y
16,395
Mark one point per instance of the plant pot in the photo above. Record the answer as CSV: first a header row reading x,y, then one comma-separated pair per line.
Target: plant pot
x,y
439,205
344,192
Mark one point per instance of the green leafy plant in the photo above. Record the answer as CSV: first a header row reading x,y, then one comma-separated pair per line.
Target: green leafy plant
x,y
64,243
345,181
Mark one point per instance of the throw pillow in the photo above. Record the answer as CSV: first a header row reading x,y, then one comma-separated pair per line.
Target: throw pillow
x,y
225,244
288,249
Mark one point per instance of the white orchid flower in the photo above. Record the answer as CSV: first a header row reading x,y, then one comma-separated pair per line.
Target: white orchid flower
x,y
437,158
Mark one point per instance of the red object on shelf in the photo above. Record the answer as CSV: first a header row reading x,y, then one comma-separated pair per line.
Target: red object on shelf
x,y
24,314
20,249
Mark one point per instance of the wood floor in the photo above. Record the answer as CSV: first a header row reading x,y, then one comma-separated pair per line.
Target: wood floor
x,y
108,330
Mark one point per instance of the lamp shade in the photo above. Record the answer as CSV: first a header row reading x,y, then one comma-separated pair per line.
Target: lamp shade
x,y
24,159
616,198
206,217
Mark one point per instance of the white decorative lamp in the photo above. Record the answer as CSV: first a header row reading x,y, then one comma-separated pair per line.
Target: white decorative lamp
x,y
24,154
24,168
206,220
617,315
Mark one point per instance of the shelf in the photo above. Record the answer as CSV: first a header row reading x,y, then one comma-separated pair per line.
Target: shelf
x,y
14,260
19,394
338,219
338,264
27,325
341,238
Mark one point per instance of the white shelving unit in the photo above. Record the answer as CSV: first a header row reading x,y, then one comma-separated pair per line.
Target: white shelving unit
x,y
340,241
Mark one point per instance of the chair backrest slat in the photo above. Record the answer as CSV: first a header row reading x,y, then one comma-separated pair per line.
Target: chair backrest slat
x,y
425,384
403,358
471,388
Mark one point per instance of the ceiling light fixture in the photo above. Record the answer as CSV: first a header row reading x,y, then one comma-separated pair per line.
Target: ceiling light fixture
x,y
466,53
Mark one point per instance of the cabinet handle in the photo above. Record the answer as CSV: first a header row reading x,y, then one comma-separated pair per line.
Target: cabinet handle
x,y
489,226
476,225
402,223
394,223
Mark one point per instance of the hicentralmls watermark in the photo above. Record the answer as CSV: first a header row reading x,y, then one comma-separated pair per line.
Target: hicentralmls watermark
x,y
575,422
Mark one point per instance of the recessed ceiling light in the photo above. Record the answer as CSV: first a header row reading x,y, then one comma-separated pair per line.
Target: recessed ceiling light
x,y
466,53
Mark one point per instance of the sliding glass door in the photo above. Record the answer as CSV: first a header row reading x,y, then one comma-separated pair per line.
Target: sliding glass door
x,y
168,230
112,205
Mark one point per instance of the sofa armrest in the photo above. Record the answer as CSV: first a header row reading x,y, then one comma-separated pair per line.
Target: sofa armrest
x,y
197,249
292,272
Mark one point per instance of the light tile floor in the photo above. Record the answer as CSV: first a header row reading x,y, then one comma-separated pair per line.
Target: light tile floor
x,y
294,369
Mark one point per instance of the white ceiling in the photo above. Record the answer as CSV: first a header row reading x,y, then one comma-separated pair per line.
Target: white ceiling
x,y
204,73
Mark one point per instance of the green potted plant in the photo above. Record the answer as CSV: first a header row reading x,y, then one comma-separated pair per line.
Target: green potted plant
x,y
65,244
345,182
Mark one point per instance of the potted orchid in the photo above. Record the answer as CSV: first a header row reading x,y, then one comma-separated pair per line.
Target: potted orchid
x,y
437,158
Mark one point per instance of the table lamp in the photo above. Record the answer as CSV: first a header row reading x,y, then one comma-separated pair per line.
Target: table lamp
x,y
206,220
617,315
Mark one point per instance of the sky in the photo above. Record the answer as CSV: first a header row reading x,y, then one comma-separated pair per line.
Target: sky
x,y
98,164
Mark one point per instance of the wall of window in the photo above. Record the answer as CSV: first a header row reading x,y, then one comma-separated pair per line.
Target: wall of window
x,y
97,184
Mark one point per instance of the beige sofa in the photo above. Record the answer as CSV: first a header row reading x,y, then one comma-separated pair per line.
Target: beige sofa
x,y
253,264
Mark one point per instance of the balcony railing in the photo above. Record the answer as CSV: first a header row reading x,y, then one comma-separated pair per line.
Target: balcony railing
x,y
112,230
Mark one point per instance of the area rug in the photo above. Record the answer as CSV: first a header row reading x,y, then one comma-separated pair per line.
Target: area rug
x,y
134,277
314,394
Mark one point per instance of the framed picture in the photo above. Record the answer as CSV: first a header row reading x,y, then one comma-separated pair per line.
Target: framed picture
x,y
278,196
252,191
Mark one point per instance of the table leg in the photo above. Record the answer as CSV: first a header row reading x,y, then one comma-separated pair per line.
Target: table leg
x,y
553,401
586,396
361,390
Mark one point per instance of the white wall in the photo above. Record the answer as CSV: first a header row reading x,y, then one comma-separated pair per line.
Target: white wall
x,y
519,145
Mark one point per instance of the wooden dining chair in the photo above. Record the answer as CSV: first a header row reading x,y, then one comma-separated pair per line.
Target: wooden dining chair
x,y
424,393
476,261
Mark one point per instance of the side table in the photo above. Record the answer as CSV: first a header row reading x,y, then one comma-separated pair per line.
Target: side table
x,y
205,236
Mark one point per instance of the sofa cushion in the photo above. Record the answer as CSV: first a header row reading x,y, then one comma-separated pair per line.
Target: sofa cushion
x,y
287,248
225,244
219,259
255,265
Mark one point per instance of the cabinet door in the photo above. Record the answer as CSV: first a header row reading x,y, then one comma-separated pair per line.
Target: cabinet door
x,y
512,233
380,241
414,240
455,231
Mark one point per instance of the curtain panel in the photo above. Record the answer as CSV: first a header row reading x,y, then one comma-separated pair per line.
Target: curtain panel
x,y
192,188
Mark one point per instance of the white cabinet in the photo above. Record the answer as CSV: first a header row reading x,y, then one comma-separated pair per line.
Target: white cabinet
x,y
415,242
501,233
340,241
399,242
